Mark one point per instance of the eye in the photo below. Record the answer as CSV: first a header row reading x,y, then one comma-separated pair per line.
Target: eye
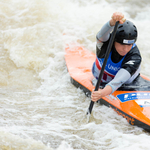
x,y
122,44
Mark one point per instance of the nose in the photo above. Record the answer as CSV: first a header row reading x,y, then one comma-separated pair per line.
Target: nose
x,y
126,48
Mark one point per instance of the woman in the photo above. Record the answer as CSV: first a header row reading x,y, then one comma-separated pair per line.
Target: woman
x,y
123,64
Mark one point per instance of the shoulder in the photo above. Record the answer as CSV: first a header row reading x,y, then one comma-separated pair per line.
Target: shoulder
x,y
133,53
100,51
132,60
134,50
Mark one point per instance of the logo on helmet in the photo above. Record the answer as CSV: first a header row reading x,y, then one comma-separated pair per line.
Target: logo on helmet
x,y
128,41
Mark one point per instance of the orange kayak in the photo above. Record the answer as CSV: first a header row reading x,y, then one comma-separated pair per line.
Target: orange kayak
x,y
130,101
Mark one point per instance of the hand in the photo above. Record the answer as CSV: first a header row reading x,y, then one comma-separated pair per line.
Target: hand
x,y
117,16
96,95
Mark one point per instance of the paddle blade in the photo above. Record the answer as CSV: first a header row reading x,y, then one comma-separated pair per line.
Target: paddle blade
x,y
88,113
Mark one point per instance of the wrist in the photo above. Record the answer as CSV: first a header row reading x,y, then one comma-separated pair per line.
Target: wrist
x,y
106,91
112,22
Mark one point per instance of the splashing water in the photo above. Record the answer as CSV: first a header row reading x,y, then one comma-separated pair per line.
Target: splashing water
x,y
40,109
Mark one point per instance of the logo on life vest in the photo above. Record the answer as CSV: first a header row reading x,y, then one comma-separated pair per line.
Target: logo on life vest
x,y
131,62
113,68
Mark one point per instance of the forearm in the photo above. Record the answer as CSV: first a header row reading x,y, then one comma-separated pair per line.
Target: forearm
x,y
104,33
121,77
106,91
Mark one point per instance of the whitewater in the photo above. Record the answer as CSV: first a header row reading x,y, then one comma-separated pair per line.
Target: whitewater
x,y
39,107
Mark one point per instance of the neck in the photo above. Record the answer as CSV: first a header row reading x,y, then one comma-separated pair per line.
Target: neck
x,y
115,57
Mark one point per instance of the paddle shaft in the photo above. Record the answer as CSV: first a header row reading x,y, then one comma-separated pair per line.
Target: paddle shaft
x,y
104,64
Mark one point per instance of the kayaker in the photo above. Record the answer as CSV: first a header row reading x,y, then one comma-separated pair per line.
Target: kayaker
x,y
123,64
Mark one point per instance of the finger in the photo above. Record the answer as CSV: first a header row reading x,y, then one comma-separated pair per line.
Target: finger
x,y
94,99
117,16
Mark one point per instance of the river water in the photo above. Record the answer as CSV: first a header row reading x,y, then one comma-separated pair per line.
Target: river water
x,y
39,108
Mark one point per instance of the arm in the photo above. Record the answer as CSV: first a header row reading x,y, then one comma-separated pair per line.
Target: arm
x,y
121,77
102,40
130,65
104,34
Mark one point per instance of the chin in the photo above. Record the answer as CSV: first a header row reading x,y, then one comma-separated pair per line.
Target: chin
x,y
123,54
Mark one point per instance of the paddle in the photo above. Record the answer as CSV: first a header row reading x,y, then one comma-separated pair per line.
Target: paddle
x,y
103,67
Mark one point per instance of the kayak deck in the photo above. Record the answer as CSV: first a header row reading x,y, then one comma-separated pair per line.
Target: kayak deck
x,y
130,101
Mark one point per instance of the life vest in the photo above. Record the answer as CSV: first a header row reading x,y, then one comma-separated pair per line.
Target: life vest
x,y
111,68
110,71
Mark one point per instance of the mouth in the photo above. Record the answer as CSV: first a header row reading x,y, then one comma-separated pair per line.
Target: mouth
x,y
123,53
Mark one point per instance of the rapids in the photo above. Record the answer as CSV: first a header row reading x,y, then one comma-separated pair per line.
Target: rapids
x,y
39,108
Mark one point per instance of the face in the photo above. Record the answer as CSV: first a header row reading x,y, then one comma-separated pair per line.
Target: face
x,y
122,49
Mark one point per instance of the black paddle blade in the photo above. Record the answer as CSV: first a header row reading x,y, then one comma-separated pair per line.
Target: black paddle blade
x,y
88,114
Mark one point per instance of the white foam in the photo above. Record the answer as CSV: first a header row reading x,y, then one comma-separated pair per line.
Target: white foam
x,y
40,108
